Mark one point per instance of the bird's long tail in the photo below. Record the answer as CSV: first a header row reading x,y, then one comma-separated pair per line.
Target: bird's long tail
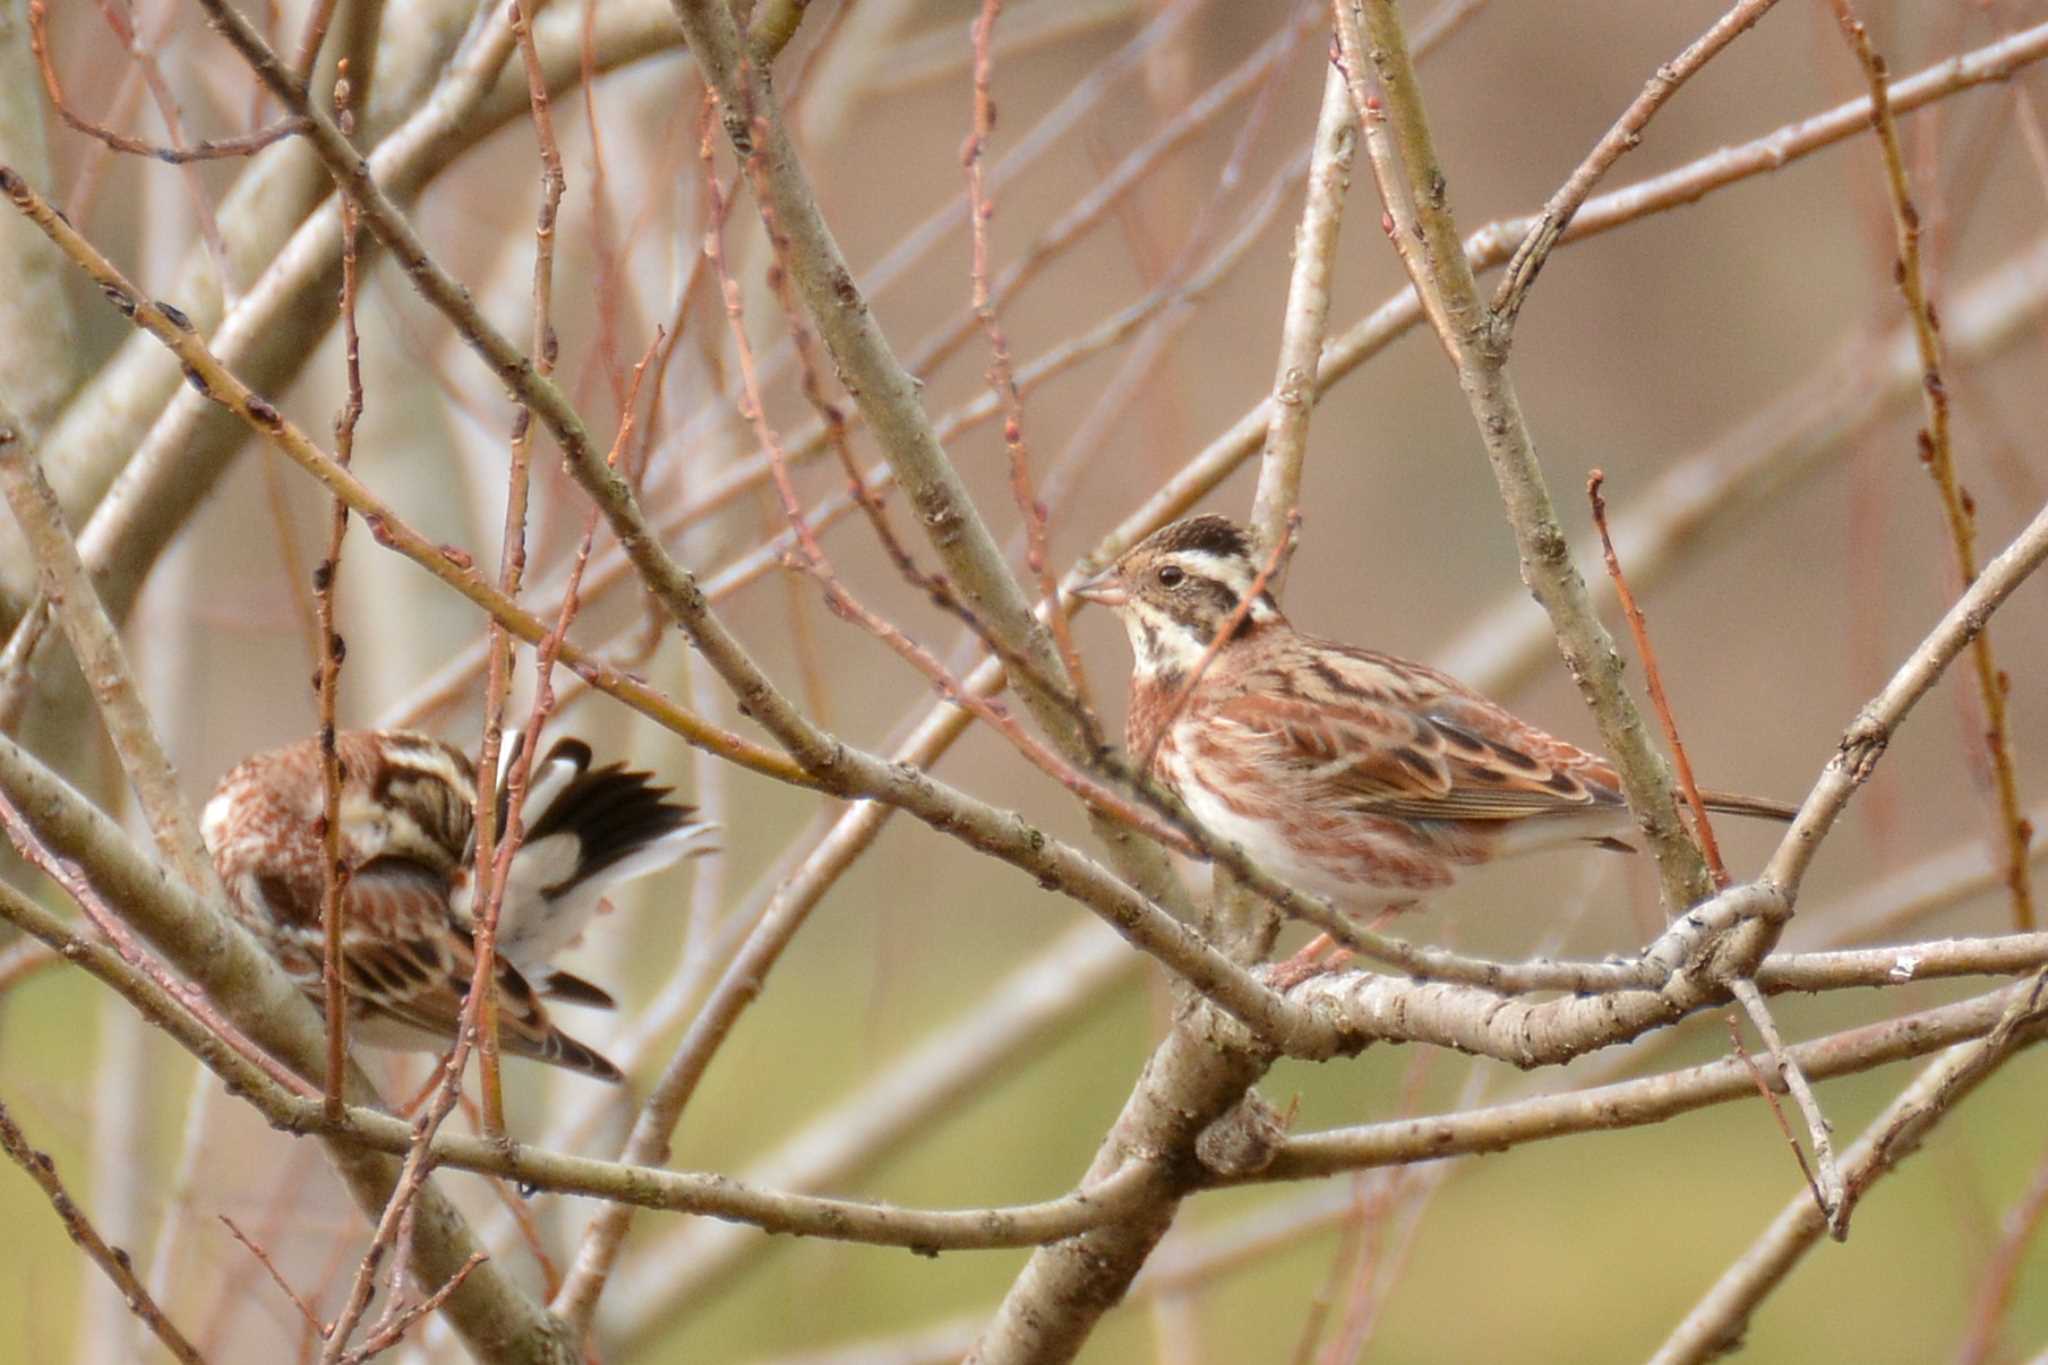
x,y
1756,807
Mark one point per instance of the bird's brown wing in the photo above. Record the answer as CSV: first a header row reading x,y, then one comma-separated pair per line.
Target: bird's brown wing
x,y
405,956
1386,737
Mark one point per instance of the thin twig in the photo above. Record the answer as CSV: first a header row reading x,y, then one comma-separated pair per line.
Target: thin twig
x,y
1305,320
142,51
318,17
1653,681
1718,1320
104,659
1937,454
1002,379
257,998
1827,1185
112,1260
1625,136
452,567
1412,180
388,1334
885,391
1488,246
276,1276
327,676
246,145
1172,301
491,864
1864,742
814,561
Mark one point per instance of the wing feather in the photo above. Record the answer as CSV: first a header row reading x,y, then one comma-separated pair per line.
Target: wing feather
x,y
407,956
1386,737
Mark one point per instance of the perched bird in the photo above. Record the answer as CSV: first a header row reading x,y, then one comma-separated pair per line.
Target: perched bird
x,y
1364,778
407,825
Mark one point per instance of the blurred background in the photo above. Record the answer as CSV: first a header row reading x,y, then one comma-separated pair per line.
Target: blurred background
x,y
1730,365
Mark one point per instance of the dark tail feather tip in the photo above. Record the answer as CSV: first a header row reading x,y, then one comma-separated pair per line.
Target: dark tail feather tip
x,y
1757,807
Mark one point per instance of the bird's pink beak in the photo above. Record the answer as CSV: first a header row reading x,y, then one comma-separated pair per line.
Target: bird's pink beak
x,y
1106,589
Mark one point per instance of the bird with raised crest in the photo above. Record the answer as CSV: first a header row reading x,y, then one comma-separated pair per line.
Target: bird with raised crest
x,y
1363,778
407,819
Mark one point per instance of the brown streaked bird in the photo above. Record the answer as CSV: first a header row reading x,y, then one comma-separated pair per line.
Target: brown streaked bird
x,y
1364,778
407,822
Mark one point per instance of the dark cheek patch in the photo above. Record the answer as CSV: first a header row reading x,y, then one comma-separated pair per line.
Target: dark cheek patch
x,y
1221,603
1203,605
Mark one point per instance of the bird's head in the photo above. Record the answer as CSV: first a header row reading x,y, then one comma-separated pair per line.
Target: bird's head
x,y
1178,588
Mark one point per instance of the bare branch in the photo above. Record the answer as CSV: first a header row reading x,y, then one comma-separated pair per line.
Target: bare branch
x,y
112,1260
1443,276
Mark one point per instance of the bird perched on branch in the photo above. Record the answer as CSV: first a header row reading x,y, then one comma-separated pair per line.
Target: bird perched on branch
x,y
407,830
1358,776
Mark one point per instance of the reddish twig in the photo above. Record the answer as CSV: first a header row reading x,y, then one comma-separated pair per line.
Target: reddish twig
x,y
1349,1251
327,678
862,492
1170,304
389,1330
1378,1193
517,776
521,1214
812,559
493,848
246,145
451,566
1002,379
394,1287
1653,679
277,1278
613,284
1937,454
481,1006
1777,1110
401,1320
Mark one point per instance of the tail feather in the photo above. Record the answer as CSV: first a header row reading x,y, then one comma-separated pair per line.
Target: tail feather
x,y
560,1049
612,812
1756,807
574,990
588,830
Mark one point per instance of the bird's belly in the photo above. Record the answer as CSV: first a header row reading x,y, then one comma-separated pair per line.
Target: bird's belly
x,y
1359,864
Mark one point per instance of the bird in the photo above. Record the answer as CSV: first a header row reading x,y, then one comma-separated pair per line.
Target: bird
x,y
1366,779
407,841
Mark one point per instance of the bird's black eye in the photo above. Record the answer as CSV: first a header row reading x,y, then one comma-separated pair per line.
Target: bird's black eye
x,y
1170,575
